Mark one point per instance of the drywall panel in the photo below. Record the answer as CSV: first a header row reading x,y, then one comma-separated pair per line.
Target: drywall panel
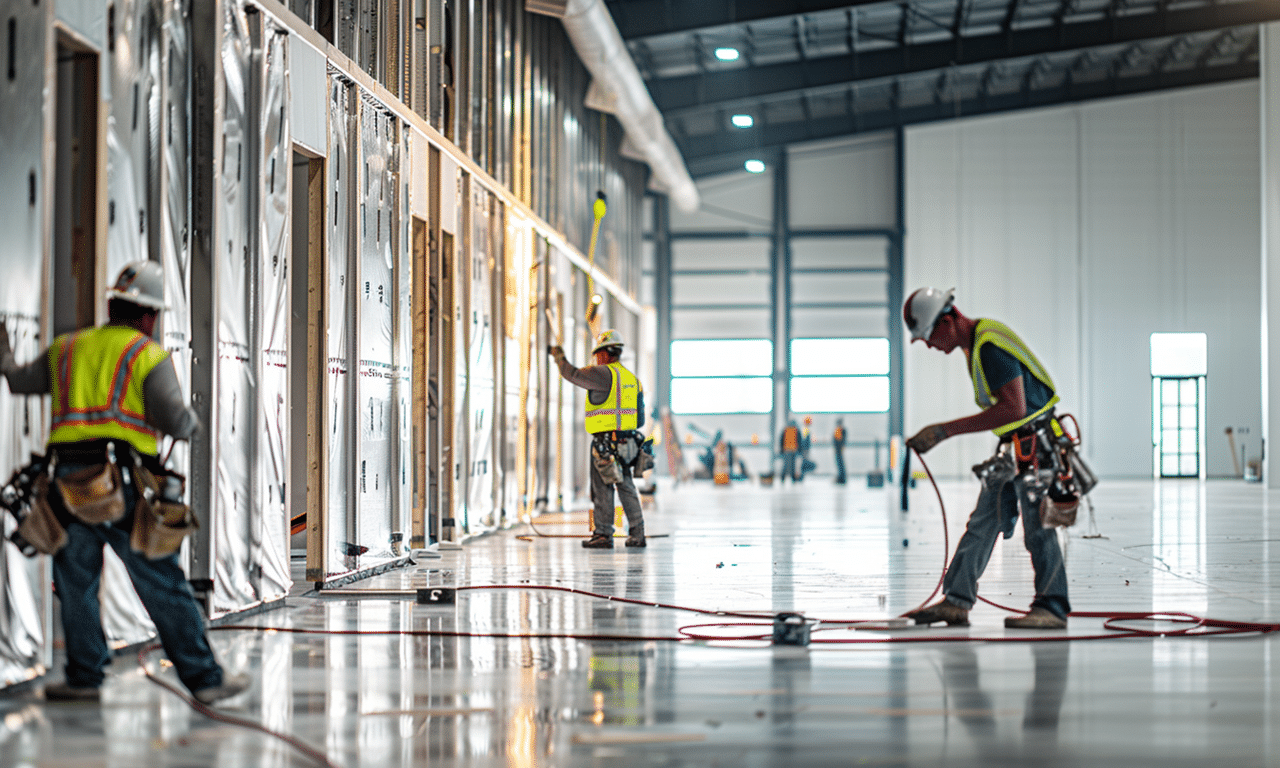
x,y
450,190
419,164
481,383
308,91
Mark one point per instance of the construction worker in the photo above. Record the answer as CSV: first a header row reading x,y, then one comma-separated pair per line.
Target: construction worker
x,y
1017,397
806,443
789,445
114,390
837,440
615,413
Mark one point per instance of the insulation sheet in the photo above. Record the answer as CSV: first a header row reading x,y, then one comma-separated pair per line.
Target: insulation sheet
x,y
24,595
269,547
236,386
339,545
480,362
514,360
134,169
375,304
403,385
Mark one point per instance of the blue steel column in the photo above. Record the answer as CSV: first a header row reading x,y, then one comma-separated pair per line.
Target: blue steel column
x,y
780,300
662,300
896,297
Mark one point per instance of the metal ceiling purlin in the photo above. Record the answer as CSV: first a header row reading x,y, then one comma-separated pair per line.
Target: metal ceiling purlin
x,y
646,18
718,89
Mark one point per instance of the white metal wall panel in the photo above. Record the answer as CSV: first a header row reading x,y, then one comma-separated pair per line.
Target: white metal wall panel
x,y
843,183
308,91
419,159
450,190
1087,229
235,382
25,647
842,252
734,201
839,287
735,324
841,323
269,548
712,290
735,253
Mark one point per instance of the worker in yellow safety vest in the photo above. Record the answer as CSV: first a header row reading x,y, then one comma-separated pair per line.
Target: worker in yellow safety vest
x,y
114,389
789,448
1017,397
614,414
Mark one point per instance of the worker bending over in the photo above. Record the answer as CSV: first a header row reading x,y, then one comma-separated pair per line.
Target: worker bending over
x,y
615,412
1017,399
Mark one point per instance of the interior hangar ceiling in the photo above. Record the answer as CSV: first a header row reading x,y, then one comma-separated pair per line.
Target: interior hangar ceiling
x,y
815,69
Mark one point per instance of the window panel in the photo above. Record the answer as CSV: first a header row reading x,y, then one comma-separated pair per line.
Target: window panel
x,y
840,394
722,395
824,357
721,357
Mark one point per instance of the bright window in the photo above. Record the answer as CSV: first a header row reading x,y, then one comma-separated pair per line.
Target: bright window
x,y
722,395
840,375
1179,354
721,376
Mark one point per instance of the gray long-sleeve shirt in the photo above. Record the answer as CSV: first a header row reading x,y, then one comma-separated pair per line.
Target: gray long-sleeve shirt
x,y
166,408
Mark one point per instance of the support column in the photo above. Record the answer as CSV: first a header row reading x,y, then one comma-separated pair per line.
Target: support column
x,y
780,301
662,301
1269,102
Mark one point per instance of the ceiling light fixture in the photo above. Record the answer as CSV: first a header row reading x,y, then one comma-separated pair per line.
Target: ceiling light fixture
x,y
742,121
727,54
754,166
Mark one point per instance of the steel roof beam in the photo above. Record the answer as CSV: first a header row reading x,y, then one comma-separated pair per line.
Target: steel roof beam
x,y
649,18
747,84
725,151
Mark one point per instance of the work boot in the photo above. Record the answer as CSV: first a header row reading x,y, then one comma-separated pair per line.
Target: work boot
x,y
598,541
231,685
635,537
65,692
954,615
1036,618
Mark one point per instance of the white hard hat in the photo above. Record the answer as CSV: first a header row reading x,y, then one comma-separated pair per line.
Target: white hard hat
x,y
141,283
607,338
923,308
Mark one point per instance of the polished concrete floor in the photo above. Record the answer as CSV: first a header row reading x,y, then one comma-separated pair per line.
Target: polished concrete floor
x,y
948,697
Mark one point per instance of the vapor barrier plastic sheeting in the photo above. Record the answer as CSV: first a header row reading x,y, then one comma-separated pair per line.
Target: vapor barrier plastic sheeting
x,y
270,546
514,279
376,217
340,550
402,390
24,593
235,386
481,386
175,238
133,133
133,208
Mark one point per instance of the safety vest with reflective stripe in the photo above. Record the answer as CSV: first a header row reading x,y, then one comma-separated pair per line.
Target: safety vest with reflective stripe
x,y
999,334
97,376
621,409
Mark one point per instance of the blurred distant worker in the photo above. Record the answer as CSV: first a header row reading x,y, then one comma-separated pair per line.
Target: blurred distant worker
x,y
1017,398
789,445
615,413
837,440
114,390
806,442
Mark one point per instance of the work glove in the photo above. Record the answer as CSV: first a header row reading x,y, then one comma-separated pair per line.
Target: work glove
x,y
555,351
926,438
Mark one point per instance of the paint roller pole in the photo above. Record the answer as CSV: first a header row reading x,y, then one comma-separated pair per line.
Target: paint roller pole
x,y
598,209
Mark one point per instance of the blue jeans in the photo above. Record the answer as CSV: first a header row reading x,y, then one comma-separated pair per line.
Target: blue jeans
x,y
161,584
996,512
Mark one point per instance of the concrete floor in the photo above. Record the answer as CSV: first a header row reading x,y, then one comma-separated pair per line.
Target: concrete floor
x,y
843,553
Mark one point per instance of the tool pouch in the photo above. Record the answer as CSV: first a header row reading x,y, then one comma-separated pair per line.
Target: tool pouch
x,y
644,459
160,519
95,494
41,528
606,461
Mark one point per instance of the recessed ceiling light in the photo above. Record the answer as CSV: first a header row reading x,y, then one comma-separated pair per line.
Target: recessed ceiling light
x,y
742,121
727,54
754,166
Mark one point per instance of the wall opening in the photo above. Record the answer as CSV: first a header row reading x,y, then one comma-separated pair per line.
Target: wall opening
x,y
306,364
1178,376
75,225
